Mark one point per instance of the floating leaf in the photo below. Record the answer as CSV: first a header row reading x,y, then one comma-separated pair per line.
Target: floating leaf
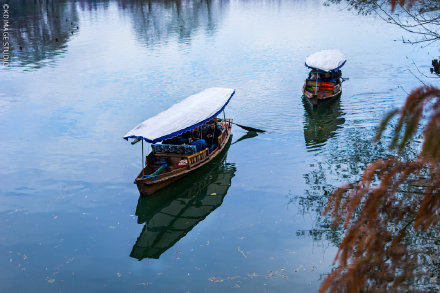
x,y
235,277
241,251
51,281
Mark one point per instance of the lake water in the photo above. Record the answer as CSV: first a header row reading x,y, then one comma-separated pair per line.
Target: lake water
x,y
82,74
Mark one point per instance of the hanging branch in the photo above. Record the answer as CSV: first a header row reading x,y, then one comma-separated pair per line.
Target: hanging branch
x,y
394,203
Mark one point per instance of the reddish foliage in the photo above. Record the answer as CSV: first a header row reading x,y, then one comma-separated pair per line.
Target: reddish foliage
x,y
392,213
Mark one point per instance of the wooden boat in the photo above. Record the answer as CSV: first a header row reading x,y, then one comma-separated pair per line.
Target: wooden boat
x,y
324,81
167,163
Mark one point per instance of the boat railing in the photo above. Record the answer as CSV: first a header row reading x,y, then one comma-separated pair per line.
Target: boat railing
x,y
197,158
220,139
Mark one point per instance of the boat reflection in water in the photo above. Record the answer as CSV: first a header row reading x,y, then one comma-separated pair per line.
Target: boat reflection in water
x,y
321,123
171,213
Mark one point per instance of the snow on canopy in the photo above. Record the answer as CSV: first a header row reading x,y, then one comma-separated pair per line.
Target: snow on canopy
x,y
326,60
183,116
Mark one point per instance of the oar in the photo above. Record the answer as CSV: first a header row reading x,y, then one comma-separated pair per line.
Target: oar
x,y
249,134
248,128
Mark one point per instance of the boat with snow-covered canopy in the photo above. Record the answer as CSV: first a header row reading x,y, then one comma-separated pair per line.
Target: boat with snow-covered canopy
x,y
324,80
175,152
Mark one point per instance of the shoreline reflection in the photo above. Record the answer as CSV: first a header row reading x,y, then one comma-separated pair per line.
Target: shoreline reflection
x,y
155,22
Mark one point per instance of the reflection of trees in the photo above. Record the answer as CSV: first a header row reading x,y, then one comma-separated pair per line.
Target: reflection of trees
x,y
155,21
321,123
171,213
40,30
345,160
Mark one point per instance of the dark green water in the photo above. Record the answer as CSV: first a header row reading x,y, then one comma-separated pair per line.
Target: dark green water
x,y
70,217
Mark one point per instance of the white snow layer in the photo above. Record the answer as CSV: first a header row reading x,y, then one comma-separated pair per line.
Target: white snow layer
x,y
326,60
183,115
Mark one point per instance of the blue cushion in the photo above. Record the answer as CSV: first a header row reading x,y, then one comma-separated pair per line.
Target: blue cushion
x,y
174,148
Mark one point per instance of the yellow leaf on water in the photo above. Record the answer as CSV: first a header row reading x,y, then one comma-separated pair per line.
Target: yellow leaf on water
x,y
235,277
213,193
50,281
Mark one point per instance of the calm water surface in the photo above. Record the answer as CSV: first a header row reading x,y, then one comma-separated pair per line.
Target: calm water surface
x,y
71,219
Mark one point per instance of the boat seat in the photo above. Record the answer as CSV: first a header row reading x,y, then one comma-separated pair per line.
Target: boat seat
x,y
327,86
323,86
174,148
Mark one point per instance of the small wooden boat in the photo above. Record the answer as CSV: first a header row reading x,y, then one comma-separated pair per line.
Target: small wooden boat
x,y
324,80
167,163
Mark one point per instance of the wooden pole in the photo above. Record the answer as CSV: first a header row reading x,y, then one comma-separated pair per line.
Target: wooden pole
x,y
316,84
142,158
224,118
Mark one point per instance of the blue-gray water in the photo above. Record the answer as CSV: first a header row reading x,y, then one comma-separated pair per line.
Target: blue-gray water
x,y
70,216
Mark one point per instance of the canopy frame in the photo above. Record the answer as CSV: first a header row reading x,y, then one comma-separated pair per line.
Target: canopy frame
x,y
319,69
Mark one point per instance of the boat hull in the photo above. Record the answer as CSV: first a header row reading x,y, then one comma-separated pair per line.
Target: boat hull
x,y
316,98
147,186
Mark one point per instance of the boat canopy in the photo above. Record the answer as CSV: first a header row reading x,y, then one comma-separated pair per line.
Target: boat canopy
x,y
326,60
183,116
